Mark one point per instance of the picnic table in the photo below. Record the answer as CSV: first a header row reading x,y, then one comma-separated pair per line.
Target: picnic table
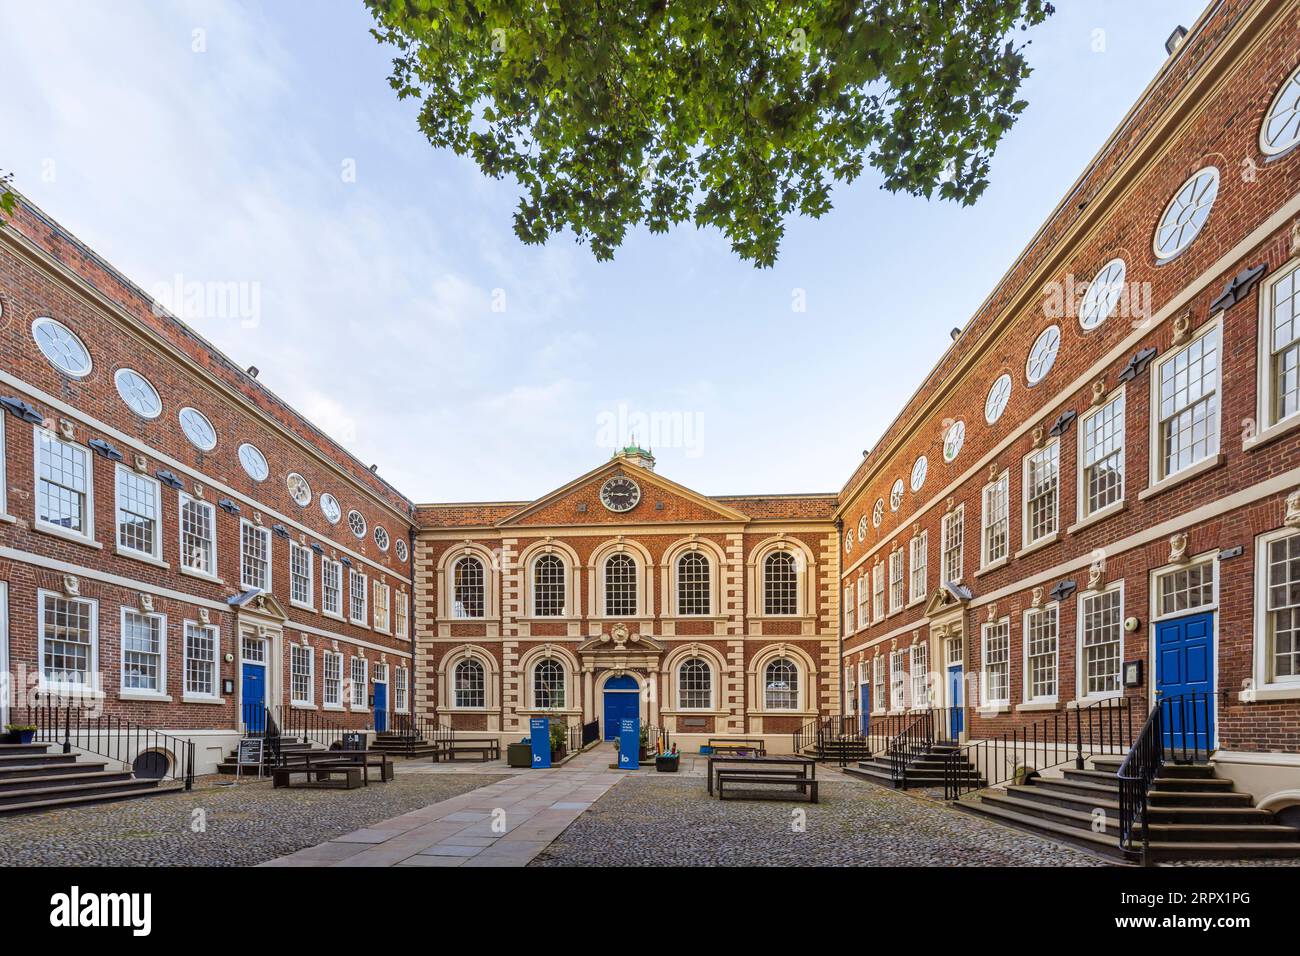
x,y
737,745
322,767
793,767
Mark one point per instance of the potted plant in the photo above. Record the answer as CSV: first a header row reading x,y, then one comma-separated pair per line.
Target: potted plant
x,y
559,740
667,763
20,733
645,744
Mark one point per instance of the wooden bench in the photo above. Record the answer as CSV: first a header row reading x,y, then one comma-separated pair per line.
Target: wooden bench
x,y
743,780
733,745
488,748
323,775
362,760
789,768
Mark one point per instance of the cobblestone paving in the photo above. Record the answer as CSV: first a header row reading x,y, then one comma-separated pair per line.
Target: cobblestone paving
x,y
245,825
647,821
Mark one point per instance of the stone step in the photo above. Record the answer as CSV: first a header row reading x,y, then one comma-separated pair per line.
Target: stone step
x,y
38,780
53,803
1192,784
68,764
1103,843
34,758
57,790
1221,833
1185,798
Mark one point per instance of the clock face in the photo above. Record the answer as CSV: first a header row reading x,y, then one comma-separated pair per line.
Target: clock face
x,y
620,494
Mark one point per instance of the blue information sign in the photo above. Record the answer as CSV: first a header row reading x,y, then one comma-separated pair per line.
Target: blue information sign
x,y
541,739
629,743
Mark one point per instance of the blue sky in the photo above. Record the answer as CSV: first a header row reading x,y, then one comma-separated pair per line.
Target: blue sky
x,y
216,142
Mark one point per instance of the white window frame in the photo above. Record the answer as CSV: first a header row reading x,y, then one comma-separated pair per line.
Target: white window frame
x,y
328,566
919,562
383,609
186,693
298,650
1081,467
87,534
1052,448
154,553
798,704
1265,686
160,692
359,688
454,691
918,659
767,586
957,515
1157,592
864,599
850,607
999,486
1270,426
987,700
184,501
294,549
265,534
1080,657
879,686
897,581
898,681
401,615
358,610
1027,690
401,690
1156,467
4,473
75,690
878,592
328,656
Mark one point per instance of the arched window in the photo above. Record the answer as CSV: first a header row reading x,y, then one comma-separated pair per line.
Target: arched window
x,y
470,689
620,586
548,586
693,584
781,685
780,584
468,600
695,684
548,684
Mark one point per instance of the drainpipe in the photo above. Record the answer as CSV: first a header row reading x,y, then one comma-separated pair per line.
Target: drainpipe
x,y
839,626
410,624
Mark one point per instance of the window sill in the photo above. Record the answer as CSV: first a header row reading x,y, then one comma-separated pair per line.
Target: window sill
x,y
987,568
1271,433
74,692
6,518
142,558
992,710
201,575
470,710
191,699
301,705
67,536
302,607
1034,706
1259,695
144,695
1033,546
1178,477
1097,516
915,602
359,710
356,623
334,708
1080,702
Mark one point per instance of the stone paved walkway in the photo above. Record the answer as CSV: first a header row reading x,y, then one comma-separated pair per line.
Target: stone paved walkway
x,y
505,823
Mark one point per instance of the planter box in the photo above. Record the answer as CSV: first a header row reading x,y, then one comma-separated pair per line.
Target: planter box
x,y
667,764
519,755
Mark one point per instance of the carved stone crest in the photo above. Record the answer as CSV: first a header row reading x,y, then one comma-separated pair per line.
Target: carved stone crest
x,y
66,429
1098,392
1038,597
1182,327
1292,519
71,586
141,463
1038,437
146,602
1177,548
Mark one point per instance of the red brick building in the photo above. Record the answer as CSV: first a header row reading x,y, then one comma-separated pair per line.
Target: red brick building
x,y
1095,493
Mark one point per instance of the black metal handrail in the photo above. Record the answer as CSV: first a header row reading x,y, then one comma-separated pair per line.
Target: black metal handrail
x,y
414,730
808,736
915,740
311,727
590,732
1164,737
115,738
1104,727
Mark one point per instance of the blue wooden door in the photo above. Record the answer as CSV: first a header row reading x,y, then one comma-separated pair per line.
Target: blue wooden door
x,y
864,707
622,699
956,701
253,697
381,707
1185,681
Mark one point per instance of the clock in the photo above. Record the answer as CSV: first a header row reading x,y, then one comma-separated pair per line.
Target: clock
x,y
620,494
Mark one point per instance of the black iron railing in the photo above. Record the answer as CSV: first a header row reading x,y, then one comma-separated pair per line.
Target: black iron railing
x,y
258,720
1103,728
148,752
915,741
590,732
1178,730
808,736
312,728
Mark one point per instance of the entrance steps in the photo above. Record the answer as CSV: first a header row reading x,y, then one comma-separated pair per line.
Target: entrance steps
x,y
406,745
36,777
924,771
1192,813
230,765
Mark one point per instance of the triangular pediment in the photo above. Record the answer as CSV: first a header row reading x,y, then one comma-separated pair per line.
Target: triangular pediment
x,y
620,639
261,602
946,598
661,501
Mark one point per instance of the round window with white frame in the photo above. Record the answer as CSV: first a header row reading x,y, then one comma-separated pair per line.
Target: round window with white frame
x,y
862,529
60,345
1042,356
920,468
878,512
357,523
896,495
953,440
329,507
138,393
1281,127
198,429
1186,213
400,549
996,402
848,541
1103,295
299,490
254,462
381,537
